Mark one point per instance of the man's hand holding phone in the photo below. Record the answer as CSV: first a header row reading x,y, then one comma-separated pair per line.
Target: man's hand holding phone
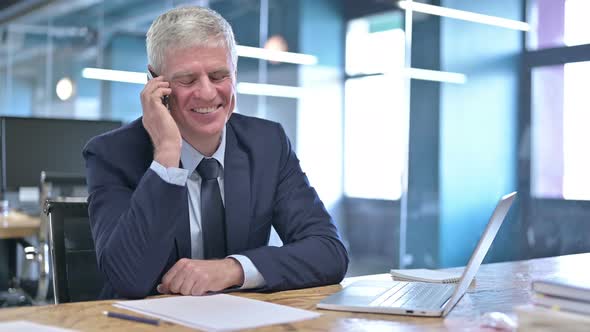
x,y
159,123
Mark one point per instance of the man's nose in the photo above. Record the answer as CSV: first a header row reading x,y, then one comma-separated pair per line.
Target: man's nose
x,y
205,89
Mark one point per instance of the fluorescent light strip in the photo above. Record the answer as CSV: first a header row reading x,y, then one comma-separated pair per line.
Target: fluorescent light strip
x,y
270,55
115,75
270,90
435,75
463,15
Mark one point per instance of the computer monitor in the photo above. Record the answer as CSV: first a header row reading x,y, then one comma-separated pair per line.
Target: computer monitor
x,y
31,145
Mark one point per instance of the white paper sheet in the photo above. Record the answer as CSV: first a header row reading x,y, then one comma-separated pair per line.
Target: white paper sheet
x,y
218,312
23,325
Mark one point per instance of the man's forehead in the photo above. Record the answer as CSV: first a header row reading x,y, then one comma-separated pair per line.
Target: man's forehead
x,y
199,49
202,55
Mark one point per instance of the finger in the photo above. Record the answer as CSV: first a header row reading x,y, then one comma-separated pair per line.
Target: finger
x,y
155,100
176,283
188,284
179,278
162,289
197,289
158,85
160,82
161,92
169,276
202,286
153,86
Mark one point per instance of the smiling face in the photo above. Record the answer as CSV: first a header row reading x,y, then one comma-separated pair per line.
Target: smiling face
x,y
203,93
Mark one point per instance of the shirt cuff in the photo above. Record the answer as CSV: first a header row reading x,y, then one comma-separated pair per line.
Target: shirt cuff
x,y
172,175
252,277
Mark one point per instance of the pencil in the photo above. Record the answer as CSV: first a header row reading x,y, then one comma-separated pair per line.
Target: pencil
x,y
131,318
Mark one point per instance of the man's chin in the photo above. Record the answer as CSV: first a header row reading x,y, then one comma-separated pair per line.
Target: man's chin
x,y
203,132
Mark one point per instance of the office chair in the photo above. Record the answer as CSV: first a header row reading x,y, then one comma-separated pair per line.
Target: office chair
x,y
53,185
75,271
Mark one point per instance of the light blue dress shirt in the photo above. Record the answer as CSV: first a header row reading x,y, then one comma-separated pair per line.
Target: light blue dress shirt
x,y
191,158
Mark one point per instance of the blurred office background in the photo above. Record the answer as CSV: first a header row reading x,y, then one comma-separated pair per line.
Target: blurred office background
x,y
410,120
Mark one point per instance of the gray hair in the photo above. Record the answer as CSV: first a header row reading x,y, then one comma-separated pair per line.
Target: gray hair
x,y
188,27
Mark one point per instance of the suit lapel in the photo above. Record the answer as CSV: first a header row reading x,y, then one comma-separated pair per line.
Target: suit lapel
x,y
237,193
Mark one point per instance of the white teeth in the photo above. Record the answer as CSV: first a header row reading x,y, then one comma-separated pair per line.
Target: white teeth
x,y
204,110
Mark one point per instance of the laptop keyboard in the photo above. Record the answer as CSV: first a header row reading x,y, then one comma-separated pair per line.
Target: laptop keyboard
x,y
415,295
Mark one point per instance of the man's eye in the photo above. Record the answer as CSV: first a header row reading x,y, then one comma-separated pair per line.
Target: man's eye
x,y
186,82
218,77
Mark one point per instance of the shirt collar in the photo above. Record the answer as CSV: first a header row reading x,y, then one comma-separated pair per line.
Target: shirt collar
x,y
191,158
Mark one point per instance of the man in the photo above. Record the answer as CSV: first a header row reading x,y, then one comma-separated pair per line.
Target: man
x,y
182,200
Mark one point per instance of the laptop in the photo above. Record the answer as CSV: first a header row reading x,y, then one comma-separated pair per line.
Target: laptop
x,y
417,298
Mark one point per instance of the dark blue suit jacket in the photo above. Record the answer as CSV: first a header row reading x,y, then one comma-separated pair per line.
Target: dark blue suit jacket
x,y
140,223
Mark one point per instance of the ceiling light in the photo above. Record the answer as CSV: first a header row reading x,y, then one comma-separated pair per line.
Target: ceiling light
x,y
270,90
435,75
463,15
64,88
276,43
115,75
278,56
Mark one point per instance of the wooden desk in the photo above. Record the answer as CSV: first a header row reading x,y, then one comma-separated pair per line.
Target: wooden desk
x,y
18,225
498,287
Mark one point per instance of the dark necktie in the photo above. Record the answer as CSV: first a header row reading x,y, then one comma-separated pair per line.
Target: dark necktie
x,y
212,212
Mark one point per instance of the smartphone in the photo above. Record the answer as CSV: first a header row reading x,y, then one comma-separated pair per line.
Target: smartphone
x,y
151,75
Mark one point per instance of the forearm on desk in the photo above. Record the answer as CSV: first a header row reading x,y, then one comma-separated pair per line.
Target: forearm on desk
x,y
130,235
312,254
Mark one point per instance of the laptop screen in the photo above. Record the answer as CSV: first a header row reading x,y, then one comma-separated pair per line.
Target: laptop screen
x,y
482,249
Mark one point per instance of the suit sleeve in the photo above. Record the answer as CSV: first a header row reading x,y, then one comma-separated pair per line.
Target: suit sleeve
x,y
133,228
312,253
